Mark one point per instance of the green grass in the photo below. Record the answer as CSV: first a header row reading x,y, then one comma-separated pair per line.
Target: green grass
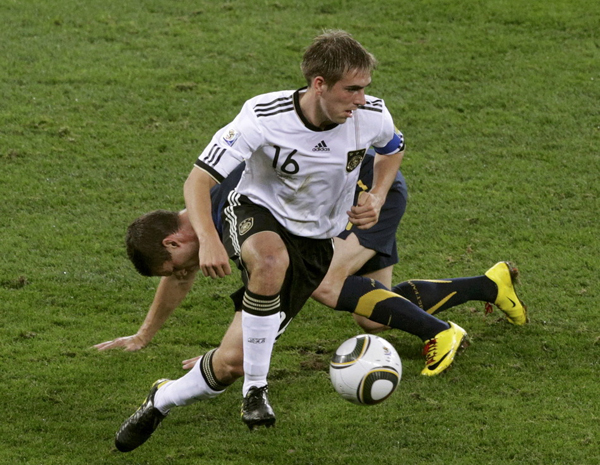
x,y
105,106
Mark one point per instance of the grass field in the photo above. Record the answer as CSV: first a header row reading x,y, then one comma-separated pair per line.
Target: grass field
x,y
104,108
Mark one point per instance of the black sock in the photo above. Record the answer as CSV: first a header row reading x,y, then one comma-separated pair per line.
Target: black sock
x,y
436,295
371,299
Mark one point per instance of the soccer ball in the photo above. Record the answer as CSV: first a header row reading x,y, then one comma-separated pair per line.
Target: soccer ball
x,y
365,369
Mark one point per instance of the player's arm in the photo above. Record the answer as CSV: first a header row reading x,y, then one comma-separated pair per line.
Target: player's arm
x,y
213,258
170,293
365,213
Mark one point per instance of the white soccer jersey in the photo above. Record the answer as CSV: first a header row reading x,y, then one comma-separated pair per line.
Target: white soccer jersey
x,y
303,174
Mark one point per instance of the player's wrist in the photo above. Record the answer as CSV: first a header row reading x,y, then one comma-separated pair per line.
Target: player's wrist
x,y
142,338
378,197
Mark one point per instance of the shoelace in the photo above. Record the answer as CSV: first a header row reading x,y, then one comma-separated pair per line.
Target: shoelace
x,y
429,351
257,398
145,418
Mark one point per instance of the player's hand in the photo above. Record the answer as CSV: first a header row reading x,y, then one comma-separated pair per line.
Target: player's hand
x,y
128,343
213,259
189,364
365,213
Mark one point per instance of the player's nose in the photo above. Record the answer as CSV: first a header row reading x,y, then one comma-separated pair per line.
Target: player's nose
x,y
360,98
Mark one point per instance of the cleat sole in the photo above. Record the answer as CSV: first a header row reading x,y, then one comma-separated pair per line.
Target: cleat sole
x,y
267,423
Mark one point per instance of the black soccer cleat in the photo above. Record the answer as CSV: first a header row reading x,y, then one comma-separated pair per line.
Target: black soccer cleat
x,y
256,410
138,428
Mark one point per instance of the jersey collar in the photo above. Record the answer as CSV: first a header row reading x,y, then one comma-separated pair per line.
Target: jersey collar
x,y
307,123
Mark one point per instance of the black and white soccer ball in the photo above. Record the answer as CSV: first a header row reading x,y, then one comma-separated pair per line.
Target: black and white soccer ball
x,y
365,369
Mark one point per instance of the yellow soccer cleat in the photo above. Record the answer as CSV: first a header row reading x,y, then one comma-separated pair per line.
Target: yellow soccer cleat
x,y
504,276
440,351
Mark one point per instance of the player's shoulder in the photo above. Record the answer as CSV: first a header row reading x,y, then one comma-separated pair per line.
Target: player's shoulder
x,y
272,103
373,104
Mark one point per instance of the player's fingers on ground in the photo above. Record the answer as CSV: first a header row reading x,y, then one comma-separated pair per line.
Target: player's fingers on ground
x,y
104,345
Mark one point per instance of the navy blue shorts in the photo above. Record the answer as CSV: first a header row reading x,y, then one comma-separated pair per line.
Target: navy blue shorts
x,y
382,237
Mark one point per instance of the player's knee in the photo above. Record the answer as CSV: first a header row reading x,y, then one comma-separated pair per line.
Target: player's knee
x,y
267,273
275,263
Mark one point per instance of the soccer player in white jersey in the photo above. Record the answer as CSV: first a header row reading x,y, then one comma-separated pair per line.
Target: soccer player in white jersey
x,y
302,151
164,244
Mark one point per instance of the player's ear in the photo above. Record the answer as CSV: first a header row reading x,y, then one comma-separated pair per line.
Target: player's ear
x,y
319,84
170,242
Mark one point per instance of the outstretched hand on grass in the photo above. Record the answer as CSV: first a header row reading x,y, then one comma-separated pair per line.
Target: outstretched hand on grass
x,y
128,343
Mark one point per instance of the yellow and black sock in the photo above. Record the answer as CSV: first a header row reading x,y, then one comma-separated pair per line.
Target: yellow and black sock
x,y
436,295
371,299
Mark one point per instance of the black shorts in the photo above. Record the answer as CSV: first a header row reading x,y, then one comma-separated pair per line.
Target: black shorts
x,y
309,258
382,237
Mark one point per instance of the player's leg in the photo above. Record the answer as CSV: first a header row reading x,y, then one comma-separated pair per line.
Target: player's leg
x,y
495,286
209,377
384,276
348,257
265,257
369,298
253,239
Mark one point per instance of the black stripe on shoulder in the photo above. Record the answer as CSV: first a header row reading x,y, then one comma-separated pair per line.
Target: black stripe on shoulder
x,y
210,170
370,108
376,103
277,102
274,107
275,111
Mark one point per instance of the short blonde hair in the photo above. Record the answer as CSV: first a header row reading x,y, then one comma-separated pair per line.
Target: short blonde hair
x,y
333,54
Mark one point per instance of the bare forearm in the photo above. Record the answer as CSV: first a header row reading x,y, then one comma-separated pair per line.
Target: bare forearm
x,y
385,169
196,192
212,257
170,293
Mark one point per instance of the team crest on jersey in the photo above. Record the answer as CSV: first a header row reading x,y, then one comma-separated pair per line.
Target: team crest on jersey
x,y
354,159
230,137
246,226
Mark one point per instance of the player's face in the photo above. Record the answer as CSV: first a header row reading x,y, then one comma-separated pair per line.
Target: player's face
x,y
184,260
338,102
